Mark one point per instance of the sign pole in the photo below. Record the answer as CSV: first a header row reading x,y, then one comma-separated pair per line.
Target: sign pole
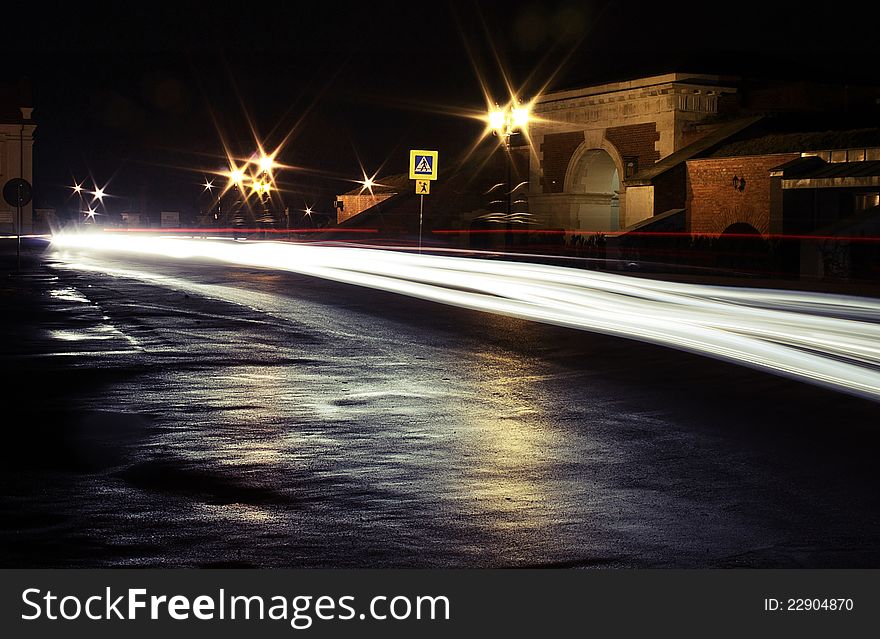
x,y
18,199
422,169
421,210
17,193
18,248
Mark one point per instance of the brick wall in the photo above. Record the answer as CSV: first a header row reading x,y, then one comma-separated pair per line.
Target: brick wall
x,y
713,203
635,140
558,149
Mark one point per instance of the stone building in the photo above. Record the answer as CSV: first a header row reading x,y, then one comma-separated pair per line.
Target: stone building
x,y
691,154
705,149
16,151
588,142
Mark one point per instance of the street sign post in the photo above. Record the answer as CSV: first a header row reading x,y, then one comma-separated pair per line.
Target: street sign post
x,y
423,165
17,193
422,169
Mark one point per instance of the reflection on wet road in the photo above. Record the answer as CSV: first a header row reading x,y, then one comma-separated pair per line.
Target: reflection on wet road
x,y
210,415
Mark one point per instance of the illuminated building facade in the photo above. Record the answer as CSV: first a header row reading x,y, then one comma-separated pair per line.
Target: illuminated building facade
x,y
588,142
16,151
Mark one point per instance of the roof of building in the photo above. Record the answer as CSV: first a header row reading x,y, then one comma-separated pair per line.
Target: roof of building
x,y
716,137
669,221
800,142
841,169
769,135
698,79
816,173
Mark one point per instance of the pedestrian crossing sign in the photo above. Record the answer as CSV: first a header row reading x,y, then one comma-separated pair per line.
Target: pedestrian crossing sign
x,y
422,165
423,187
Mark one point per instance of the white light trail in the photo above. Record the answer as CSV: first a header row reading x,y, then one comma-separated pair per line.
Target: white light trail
x,y
823,339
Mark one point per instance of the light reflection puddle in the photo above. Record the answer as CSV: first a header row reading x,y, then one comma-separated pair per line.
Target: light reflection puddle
x,y
239,512
69,294
93,333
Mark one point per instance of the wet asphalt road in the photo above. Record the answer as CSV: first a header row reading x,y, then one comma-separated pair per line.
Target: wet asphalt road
x,y
195,414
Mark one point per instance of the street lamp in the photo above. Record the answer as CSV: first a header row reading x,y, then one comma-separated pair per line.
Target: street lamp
x,y
235,174
506,122
262,182
214,206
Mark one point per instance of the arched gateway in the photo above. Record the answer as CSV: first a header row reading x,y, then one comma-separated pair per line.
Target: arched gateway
x,y
587,142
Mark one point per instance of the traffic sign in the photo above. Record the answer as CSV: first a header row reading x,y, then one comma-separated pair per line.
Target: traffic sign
x,y
423,187
423,165
17,192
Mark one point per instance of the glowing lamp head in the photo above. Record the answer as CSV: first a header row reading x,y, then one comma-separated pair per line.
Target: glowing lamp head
x,y
236,176
266,163
77,188
520,116
259,186
209,185
99,194
308,210
497,119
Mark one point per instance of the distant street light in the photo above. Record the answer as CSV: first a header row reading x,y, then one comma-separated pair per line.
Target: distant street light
x,y
261,183
368,184
266,163
506,122
236,176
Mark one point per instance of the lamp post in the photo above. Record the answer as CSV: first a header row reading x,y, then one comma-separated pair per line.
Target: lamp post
x,y
506,122
214,208
78,191
262,182
236,185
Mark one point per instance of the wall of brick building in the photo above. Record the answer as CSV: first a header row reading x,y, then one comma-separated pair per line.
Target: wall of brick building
x,y
713,203
636,140
558,148
354,204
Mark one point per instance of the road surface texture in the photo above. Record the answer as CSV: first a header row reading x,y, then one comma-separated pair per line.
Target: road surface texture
x,y
180,413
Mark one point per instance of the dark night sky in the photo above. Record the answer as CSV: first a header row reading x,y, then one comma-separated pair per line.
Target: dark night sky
x,y
127,91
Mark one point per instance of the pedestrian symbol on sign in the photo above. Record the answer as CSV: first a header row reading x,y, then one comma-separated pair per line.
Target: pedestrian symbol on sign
x,y
423,164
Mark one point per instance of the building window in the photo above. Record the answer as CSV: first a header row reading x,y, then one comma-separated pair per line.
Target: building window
x,y
630,166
